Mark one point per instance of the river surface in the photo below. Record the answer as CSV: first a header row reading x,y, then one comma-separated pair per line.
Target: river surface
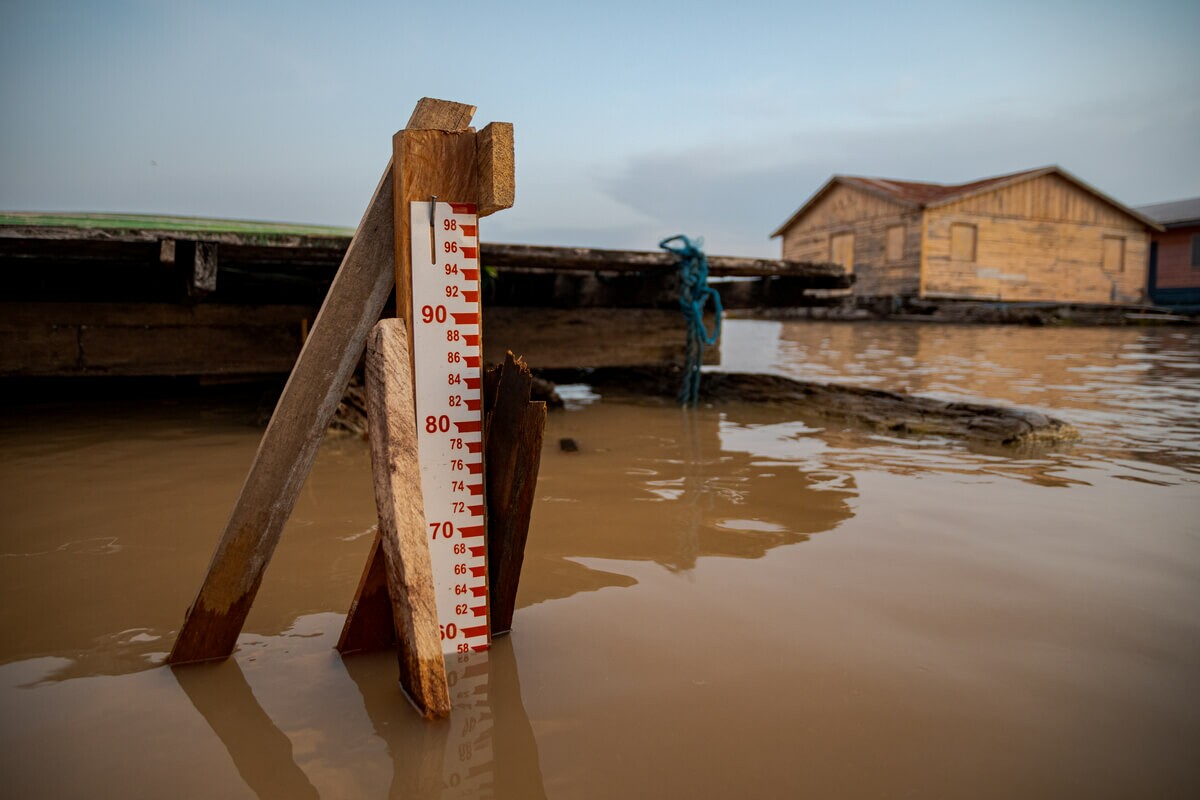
x,y
729,602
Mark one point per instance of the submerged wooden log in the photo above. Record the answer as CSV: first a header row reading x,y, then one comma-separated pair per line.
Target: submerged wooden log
x,y
892,412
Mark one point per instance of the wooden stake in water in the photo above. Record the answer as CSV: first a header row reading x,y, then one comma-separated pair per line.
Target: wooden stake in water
x,y
318,381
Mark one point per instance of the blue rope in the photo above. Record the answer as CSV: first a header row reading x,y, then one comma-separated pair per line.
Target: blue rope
x,y
694,293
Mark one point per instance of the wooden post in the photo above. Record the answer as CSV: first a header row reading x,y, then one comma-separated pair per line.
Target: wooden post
x,y
402,533
289,445
475,167
513,453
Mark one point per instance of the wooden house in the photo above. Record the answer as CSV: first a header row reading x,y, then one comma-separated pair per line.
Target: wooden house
x,y
1037,235
1175,253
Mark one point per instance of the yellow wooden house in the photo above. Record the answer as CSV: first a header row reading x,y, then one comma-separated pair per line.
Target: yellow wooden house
x,y
1037,235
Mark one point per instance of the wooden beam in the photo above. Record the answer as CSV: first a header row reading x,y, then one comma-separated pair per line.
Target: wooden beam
x,y
495,167
588,337
149,338
445,115
403,535
512,453
428,163
203,269
587,259
289,445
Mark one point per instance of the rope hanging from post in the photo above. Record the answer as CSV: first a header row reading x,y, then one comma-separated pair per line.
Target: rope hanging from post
x,y
694,293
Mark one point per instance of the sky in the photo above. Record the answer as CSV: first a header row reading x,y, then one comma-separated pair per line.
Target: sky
x,y
633,120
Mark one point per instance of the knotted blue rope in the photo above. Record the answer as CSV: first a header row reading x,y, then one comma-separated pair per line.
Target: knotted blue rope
x,y
694,293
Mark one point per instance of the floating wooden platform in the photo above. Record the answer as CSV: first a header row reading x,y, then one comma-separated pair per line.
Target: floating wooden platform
x,y
99,294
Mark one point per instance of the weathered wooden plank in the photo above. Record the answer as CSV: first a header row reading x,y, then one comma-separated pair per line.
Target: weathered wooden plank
x,y
495,167
37,347
544,288
429,163
445,115
587,259
290,443
587,337
513,452
326,249
396,468
370,624
204,268
147,315
558,289
148,339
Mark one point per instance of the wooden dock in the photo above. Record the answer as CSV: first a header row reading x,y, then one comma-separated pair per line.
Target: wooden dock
x,y
95,294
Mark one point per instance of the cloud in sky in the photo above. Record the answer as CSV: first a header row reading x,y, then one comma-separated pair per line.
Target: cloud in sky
x,y
736,193
633,121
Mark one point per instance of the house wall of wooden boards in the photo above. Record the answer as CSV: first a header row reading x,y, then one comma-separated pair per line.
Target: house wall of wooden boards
x,y
1044,238
852,228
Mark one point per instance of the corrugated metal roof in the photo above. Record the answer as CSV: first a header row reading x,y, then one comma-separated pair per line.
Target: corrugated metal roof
x,y
1179,212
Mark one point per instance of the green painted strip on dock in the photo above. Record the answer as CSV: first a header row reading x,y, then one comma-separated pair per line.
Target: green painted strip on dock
x,y
154,222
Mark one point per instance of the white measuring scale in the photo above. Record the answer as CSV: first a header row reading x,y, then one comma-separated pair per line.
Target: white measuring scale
x,y
448,375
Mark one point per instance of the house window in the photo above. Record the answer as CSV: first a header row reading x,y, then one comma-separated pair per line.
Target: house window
x,y
1114,254
1196,251
962,242
841,250
895,243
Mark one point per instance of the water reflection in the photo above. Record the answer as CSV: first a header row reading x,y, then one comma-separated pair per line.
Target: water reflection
x,y
1131,392
699,484
261,752
487,746
1006,605
328,735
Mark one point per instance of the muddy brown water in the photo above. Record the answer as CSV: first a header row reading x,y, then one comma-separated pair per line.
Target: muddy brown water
x,y
727,602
